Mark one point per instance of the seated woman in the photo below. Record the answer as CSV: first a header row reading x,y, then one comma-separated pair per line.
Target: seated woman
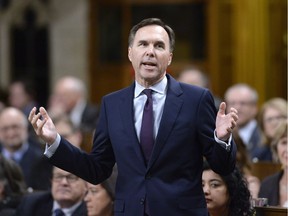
x,y
100,198
226,195
274,187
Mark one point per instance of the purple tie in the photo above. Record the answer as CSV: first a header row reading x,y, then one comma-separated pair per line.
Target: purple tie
x,y
146,133
59,212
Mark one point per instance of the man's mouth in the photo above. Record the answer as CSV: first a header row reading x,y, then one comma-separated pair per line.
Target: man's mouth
x,y
152,64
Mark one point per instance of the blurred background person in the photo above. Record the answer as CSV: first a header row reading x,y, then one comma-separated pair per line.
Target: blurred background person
x,y
12,186
244,164
226,195
100,198
64,199
195,76
21,95
244,98
271,114
69,98
15,143
275,187
3,98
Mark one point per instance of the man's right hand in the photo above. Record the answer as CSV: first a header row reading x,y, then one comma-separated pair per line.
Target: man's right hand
x,y
43,125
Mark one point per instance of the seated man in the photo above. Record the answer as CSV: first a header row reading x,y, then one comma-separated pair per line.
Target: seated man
x,y
65,198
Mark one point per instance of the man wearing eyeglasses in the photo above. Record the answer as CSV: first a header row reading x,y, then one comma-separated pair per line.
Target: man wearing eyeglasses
x,y
64,199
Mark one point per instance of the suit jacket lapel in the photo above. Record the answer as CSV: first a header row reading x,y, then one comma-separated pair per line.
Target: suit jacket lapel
x,y
127,116
172,106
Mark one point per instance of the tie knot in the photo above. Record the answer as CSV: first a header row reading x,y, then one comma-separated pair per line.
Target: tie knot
x,y
59,212
148,92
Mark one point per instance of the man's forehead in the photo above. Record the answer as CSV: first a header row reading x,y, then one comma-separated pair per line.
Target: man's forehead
x,y
152,30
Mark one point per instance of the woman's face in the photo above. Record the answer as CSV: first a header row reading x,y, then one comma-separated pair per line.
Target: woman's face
x,y
98,201
282,151
271,119
215,191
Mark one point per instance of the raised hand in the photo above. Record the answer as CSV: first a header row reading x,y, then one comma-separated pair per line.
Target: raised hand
x,y
43,125
225,123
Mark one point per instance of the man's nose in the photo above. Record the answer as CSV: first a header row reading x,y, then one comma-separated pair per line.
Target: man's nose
x,y
150,50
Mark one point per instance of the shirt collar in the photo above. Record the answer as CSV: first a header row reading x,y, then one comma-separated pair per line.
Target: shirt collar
x,y
159,87
17,155
67,211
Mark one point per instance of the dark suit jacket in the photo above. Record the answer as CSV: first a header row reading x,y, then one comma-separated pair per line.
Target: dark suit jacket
x,y
89,118
171,183
29,160
270,188
254,144
41,204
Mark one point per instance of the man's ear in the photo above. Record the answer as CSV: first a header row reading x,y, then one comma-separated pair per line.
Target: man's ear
x,y
129,53
170,60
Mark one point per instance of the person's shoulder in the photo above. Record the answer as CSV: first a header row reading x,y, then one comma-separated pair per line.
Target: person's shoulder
x,y
272,178
81,210
38,195
120,93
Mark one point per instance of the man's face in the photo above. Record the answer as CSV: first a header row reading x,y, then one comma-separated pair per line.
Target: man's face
x,y
150,54
13,129
65,96
241,100
67,189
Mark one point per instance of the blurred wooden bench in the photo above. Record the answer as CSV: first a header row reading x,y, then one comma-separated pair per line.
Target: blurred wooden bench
x,y
261,169
271,211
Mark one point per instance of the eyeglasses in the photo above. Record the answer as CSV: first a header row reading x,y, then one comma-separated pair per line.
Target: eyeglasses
x,y
241,103
69,178
13,127
275,119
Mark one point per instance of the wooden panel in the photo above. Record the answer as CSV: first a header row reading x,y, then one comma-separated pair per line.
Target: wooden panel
x,y
245,41
271,211
262,169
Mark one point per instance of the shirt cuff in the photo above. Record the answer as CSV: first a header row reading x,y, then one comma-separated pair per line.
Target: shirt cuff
x,y
225,145
50,150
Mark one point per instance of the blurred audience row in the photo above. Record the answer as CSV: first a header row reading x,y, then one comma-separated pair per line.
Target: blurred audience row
x,y
32,186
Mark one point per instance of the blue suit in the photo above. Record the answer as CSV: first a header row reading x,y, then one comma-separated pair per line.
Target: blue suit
x,y
171,182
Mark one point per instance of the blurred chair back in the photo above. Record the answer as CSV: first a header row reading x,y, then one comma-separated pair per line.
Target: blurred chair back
x,y
262,169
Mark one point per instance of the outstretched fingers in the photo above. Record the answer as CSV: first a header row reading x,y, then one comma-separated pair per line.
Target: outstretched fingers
x,y
36,122
233,119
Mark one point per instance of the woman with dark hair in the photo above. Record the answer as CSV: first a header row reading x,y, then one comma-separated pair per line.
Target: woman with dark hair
x,y
226,195
100,198
12,186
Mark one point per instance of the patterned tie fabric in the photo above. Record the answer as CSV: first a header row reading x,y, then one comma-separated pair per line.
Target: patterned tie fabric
x,y
59,212
146,133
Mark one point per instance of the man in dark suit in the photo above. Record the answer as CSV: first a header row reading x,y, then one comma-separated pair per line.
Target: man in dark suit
x,y
66,196
165,178
16,145
245,99
70,98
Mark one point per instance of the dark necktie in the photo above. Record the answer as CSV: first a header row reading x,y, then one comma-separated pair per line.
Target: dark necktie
x,y
59,212
146,133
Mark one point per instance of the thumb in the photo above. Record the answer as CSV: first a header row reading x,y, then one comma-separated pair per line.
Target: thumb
x,y
222,108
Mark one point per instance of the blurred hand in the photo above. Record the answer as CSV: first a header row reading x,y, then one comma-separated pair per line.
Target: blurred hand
x,y
43,125
225,123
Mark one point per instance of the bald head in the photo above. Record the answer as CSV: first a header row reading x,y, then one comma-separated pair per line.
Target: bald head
x,y
13,128
194,76
69,91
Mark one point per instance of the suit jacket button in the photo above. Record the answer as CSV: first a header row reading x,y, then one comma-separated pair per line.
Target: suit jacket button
x,y
142,201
